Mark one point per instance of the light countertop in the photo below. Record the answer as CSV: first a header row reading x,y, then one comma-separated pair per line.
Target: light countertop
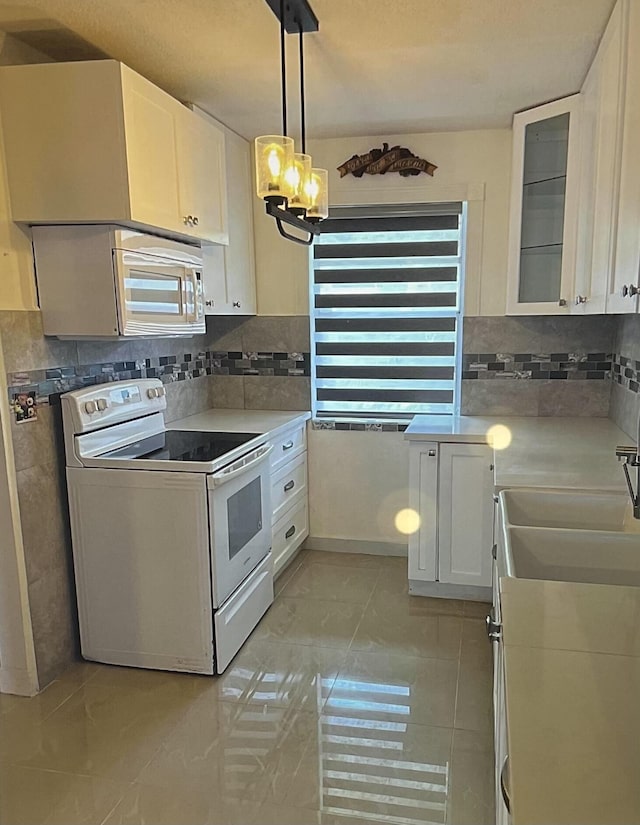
x,y
572,665
575,453
241,421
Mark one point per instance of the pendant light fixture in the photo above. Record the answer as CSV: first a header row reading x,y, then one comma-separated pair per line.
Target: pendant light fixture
x,y
295,193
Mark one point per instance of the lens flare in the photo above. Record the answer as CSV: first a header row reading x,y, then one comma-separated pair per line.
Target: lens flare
x,y
407,521
499,437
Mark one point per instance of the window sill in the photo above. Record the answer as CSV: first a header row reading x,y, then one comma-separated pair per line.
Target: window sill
x,y
378,425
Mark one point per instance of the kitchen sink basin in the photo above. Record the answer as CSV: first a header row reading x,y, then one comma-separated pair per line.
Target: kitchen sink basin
x,y
589,556
574,511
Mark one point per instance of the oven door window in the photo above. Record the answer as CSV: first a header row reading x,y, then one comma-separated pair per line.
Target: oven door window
x,y
244,516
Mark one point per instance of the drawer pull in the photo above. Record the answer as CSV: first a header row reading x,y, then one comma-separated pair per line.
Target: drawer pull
x,y
494,629
290,532
289,485
288,445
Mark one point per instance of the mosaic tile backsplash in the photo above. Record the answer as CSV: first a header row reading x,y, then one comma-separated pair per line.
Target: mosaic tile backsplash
x,y
167,368
542,366
626,372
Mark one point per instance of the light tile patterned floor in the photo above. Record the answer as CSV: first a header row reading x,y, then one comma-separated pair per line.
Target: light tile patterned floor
x,y
351,703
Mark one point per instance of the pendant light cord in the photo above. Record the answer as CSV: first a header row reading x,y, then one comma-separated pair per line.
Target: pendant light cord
x,y
303,122
283,69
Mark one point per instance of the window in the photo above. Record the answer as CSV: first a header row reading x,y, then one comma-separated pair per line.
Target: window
x,y
386,311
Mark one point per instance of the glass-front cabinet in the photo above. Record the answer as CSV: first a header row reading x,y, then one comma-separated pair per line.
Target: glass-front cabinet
x,y
543,220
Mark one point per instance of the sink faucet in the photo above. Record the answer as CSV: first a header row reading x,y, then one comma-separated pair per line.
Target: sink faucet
x,y
631,458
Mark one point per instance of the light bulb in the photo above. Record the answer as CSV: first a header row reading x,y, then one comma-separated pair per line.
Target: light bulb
x,y
274,160
313,189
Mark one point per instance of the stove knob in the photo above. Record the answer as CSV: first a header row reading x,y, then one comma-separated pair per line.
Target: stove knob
x,y
90,407
152,392
102,404
161,391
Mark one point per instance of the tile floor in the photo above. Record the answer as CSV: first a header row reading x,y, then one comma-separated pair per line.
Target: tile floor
x,y
351,703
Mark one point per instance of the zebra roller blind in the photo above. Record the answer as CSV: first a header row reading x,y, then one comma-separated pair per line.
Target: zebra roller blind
x,y
386,298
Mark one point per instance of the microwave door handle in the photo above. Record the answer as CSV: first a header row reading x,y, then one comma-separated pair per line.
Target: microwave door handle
x,y
226,475
196,286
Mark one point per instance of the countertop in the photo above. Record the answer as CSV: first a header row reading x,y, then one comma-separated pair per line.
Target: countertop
x,y
572,667
241,421
574,453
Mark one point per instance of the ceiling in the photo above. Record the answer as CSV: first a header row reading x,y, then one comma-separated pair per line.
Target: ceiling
x,y
375,67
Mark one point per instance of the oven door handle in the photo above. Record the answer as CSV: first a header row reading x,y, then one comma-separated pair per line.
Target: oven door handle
x,y
251,461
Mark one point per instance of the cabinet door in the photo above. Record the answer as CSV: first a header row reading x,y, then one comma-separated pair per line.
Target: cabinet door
x,y
587,192
229,274
543,222
239,254
500,733
627,247
423,500
151,153
465,514
202,178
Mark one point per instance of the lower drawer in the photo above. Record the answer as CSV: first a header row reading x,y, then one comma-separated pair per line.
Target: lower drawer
x,y
288,484
242,611
288,534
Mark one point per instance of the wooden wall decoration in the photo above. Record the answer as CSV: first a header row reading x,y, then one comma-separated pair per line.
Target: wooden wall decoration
x,y
381,161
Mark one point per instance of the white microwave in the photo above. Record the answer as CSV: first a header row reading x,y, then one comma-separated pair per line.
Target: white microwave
x,y
105,282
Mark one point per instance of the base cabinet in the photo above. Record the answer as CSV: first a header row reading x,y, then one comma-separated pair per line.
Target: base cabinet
x,y
451,489
289,496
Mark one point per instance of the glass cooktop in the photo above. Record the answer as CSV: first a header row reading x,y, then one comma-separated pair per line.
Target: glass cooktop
x,y
182,445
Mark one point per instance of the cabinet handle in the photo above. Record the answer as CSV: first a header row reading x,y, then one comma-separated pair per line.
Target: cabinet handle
x,y
581,299
288,445
490,468
236,304
188,220
209,303
290,531
431,453
494,552
196,220
289,485
503,786
562,302
494,629
630,291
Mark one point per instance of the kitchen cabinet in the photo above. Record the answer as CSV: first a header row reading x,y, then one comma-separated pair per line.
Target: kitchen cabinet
x,y
601,135
94,142
229,274
544,208
289,495
451,489
623,287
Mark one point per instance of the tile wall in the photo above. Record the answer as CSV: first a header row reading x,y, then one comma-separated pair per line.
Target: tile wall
x,y
258,363
625,387
542,365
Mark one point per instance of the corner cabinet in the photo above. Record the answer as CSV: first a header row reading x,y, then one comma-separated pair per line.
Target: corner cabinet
x,y
94,142
451,489
229,272
544,208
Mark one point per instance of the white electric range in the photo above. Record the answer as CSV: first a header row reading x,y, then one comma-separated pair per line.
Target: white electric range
x,y
171,531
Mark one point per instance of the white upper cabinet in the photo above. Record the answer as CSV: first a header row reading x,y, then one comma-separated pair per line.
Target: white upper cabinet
x,y
623,287
229,272
601,137
95,142
544,198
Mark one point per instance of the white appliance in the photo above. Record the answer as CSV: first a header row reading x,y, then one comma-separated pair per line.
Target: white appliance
x,y
171,531
107,282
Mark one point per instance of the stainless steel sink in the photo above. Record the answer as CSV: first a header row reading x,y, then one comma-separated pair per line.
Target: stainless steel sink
x,y
589,556
572,511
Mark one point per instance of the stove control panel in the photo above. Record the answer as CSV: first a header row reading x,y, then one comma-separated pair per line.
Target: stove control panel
x,y
112,403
